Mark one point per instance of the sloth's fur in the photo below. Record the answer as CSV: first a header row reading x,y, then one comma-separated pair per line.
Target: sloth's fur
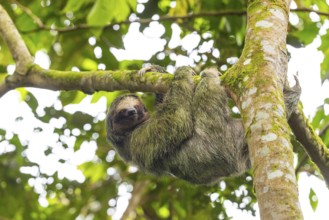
x,y
191,135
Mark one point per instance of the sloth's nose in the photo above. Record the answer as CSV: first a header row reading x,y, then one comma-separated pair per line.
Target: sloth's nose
x,y
131,111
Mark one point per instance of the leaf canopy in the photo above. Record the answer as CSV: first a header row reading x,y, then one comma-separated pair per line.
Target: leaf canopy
x,y
84,34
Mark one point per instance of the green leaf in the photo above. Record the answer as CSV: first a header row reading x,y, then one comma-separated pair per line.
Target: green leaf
x,y
318,118
89,64
32,102
325,68
96,96
23,92
309,32
79,119
106,11
294,41
110,96
313,199
95,172
75,50
75,5
132,4
71,97
164,212
164,4
326,101
325,50
100,13
2,133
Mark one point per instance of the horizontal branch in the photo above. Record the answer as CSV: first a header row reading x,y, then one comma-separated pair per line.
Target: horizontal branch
x,y
88,81
138,20
313,145
321,13
165,18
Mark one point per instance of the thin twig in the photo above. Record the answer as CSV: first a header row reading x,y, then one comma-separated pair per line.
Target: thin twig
x,y
322,13
28,11
147,20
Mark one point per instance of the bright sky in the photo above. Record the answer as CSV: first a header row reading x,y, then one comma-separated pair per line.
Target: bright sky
x,y
305,61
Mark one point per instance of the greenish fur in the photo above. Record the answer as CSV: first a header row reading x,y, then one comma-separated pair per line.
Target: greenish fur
x,y
191,135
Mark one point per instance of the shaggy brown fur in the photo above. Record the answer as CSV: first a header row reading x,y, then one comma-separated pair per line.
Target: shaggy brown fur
x,y
191,135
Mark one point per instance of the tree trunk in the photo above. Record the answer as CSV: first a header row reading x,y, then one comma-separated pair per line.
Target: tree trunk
x,y
256,83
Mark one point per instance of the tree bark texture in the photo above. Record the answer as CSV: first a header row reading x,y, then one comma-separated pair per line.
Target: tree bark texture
x,y
256,83
313,145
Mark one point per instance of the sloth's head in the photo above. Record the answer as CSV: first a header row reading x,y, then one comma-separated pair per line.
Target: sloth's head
x,y
126,113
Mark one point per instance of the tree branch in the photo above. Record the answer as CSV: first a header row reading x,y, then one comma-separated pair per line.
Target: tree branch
x,y
311,142
165,18
322,13
136,197
28,11
88,81
139,20
15,43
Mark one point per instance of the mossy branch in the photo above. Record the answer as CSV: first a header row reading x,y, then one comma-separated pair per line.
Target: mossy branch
x,y
87,81
311,142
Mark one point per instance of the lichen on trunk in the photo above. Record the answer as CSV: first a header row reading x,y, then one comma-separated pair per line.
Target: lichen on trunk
x,y
256,83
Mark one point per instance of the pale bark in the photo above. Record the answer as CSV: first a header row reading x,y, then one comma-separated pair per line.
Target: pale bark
x,y
256,82
88,82
15,43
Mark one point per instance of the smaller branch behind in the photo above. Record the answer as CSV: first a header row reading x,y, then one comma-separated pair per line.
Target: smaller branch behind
x,y
15,43
136,198
165,18
313,145
28,11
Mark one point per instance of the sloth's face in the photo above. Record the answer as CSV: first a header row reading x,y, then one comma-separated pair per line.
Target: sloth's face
x,y
129,113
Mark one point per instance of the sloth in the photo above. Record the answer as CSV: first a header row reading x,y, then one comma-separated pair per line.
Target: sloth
x,y
191,135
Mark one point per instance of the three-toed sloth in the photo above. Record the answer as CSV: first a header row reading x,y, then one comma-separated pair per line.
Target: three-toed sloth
x,y
191,135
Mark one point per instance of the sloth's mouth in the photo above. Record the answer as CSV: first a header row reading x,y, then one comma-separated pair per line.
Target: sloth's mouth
x,y
142,118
